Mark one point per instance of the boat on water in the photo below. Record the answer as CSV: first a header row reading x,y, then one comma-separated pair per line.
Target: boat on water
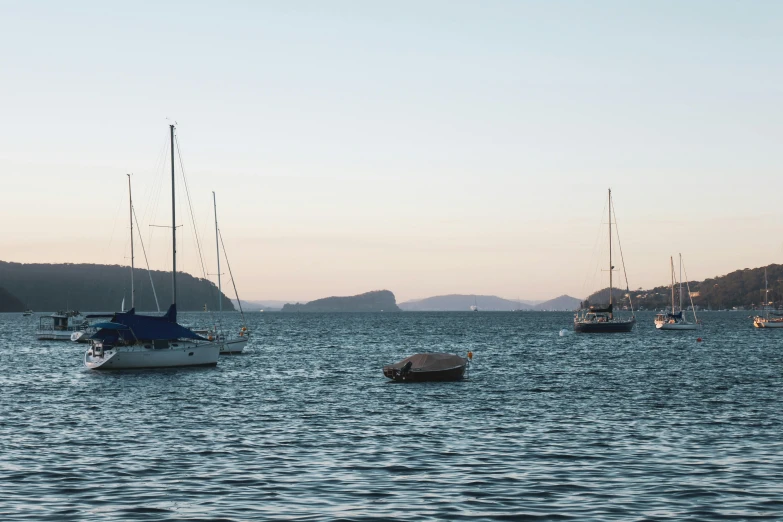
x,y
770,318
228,345
423,367
132,341
27,313
601,318
474,306
675,319
59,326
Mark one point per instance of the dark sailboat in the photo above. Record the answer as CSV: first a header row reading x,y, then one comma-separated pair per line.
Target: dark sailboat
x,y
601,319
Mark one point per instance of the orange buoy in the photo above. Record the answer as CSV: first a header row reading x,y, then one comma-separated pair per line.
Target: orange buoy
x,y
470,355
698,340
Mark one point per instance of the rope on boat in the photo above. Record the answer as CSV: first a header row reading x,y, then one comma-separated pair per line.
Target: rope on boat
x,y
233,283
622,259
688,286
195,228
149,272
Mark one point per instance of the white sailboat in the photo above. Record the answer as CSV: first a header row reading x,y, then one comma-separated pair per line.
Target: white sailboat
x,y
766,321
675,320
131,341
228,346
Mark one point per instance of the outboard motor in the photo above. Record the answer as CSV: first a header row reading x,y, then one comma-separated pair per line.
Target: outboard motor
x,y
405,370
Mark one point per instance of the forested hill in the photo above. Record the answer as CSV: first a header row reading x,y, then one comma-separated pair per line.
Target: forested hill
x,y
741,288
9,302
84,287
376,301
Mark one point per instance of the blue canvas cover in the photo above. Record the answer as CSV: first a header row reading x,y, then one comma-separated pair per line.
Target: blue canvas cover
x,y
678,315
131,327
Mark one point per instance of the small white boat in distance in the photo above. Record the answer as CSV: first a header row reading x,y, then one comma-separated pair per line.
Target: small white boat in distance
x,y
27,313
768,322
233,346
676,320
60,325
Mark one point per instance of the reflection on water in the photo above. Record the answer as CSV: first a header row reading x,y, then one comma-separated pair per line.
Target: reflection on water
x,y
650,425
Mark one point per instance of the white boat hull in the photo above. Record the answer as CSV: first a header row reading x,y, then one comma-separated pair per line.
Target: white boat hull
x,y
763,323
677,326
233,346
60,335
178,354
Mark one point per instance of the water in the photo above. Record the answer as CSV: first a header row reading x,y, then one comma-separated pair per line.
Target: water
x,y
644,426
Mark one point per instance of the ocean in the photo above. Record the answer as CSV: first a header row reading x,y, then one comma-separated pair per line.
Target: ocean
x,y
644,426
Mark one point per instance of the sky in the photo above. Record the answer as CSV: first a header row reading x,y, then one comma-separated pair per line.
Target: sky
x,y
425,147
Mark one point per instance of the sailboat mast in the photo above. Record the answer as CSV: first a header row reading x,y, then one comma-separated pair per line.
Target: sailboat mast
x,y
610,248
680,282
217,249
671,269
173,226
130,206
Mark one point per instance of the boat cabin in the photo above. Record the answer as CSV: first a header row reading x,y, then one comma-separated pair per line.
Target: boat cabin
x,y
668,318
61,322
597,317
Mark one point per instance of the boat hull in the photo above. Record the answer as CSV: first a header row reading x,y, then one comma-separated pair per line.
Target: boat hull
x,y
233,346
767,324
450,374
604,327
177,355
677,326
64,335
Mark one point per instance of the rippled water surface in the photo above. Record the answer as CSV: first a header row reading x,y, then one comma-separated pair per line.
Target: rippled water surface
x,y
643,426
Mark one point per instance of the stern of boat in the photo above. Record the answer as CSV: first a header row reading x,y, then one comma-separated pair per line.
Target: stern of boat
x,y
233,346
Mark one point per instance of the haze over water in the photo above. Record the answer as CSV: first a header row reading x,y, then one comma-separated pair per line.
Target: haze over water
x,y
645,426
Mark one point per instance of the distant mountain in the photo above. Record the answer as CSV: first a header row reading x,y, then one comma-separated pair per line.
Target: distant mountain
x,y
101,288
562,303
269,305
463,302
9,302
376,301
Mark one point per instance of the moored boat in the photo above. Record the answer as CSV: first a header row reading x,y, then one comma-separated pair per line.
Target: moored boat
x,y
423,367
599,318
228,345
674,319
59,326
765,321
131,341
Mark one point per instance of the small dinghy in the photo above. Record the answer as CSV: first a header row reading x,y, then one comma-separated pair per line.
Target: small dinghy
x,y
427,367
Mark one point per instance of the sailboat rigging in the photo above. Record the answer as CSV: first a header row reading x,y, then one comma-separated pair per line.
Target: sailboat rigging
x,y
765,321
235,345
599,318
674,319
129,340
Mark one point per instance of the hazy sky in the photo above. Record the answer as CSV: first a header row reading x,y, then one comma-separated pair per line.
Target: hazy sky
x,y
426,147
